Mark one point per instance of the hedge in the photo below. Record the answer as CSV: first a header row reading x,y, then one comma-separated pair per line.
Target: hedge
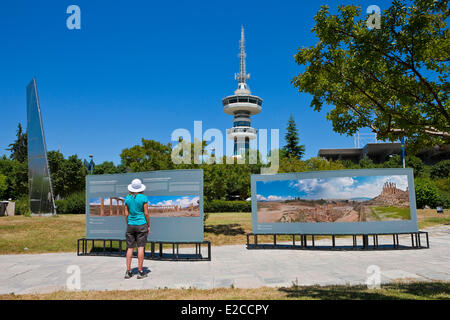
x,y
227,206
75,203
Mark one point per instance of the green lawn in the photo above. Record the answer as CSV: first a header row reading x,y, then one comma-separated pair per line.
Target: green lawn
x,y
390,213
400,290
21,234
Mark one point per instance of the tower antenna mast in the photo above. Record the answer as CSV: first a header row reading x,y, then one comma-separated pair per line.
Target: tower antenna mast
x,y
242,76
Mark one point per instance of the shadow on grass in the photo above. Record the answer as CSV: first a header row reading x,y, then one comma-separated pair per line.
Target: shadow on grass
x,y
225,229
395,291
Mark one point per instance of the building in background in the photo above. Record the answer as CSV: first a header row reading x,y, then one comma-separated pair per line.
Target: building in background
x,y
377,152
242,105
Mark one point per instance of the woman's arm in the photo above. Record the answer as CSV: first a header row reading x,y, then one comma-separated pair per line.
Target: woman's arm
x,y
126,214
147,216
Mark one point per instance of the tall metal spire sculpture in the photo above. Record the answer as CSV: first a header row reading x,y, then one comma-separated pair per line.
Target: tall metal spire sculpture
x,y
39,180
241,105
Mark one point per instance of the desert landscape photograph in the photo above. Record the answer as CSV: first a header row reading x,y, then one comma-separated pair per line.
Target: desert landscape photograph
x,y
174,206
158,206
342,199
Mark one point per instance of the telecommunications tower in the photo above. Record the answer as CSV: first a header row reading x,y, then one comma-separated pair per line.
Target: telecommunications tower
x,y
242,105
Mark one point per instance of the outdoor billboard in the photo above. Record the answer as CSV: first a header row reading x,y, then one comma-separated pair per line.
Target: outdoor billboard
x,y
175,202
363,201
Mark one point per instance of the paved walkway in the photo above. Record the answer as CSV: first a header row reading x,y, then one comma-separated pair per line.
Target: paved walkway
x,y
231,265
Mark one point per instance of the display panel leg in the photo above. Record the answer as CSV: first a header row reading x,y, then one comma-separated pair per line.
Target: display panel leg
x,y
209,251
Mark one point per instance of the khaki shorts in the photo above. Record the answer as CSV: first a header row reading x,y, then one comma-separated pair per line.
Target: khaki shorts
x,y
136,235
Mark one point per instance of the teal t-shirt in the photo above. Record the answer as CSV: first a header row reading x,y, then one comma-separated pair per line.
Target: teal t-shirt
x,y
135,206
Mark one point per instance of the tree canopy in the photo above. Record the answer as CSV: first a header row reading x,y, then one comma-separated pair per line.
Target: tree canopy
x,y
393,80
19,148
68,175
293,148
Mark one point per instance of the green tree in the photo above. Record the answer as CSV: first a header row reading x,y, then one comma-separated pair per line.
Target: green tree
x,y
18,179
366,163
108,167
19,148
319,164
410,161
151,155
441,169
292,149
68,175
426,193
56,166
393,80
288,164
75,175
3,186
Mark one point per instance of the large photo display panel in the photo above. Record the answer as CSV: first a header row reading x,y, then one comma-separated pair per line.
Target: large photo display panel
x,y
175,203
335,202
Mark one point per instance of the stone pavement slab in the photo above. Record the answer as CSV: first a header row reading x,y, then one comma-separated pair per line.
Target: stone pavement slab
x,y
231,266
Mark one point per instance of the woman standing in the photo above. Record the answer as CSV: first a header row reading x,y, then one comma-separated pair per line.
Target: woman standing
x,y
138,225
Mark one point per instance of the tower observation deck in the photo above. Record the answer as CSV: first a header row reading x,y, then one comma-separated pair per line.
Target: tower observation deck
x,y
242,105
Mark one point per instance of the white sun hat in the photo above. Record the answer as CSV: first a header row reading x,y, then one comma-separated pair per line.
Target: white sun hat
x,y
136,186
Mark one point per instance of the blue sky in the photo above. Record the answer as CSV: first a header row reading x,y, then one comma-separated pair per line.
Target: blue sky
x,y
327,188
145,68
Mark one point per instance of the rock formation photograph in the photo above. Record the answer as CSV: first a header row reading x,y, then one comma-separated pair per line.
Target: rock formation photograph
x,y
343,199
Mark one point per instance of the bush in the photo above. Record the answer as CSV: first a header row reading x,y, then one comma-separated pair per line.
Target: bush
x,y
227,206
23,206
427,194
74,203
443,199
410,161
440,169
442,184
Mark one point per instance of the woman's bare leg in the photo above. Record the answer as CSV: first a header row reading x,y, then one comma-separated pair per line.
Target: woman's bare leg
x,y
140,258
129,256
